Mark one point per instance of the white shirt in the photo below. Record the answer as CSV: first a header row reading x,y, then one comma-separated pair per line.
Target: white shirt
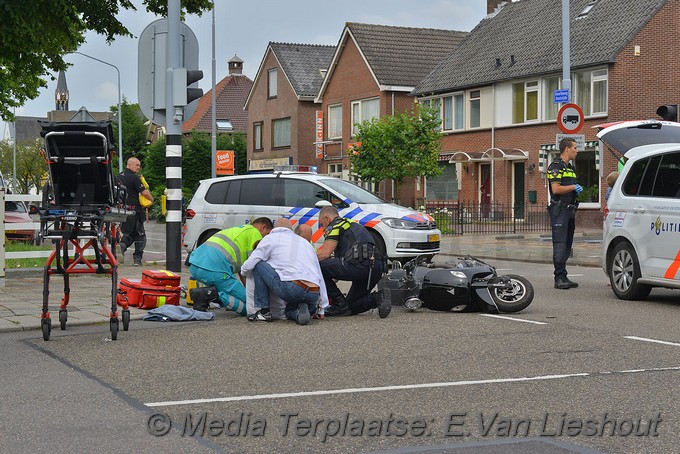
x,y
291,256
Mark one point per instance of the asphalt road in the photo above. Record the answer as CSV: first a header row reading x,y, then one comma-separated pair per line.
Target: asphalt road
x,y
577,371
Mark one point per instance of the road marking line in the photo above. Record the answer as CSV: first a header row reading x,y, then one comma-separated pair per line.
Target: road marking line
x,y
363,390
644,339
403,387
513,319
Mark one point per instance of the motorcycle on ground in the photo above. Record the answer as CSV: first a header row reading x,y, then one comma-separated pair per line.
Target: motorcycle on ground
x,y
467,285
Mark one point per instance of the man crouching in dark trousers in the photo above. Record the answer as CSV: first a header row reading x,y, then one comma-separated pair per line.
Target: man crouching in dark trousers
x,y
355,258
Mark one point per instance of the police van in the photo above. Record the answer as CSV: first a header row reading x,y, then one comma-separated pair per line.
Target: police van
x,y
298,193
641,242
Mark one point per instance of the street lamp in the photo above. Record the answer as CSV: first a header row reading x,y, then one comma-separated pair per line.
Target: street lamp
x,y
120,123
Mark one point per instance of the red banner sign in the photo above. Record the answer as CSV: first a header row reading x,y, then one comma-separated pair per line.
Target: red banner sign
x,y
319,134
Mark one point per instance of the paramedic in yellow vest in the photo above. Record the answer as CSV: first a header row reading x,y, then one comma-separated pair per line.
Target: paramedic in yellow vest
x,y
217,262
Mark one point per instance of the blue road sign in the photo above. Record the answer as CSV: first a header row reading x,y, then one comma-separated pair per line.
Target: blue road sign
x,y
561,96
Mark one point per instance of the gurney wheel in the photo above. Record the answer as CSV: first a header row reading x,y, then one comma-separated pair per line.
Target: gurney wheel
x,y
126,320
113,323
46,325
63,317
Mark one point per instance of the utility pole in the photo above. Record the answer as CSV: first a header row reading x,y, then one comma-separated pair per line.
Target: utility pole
x,y
213,154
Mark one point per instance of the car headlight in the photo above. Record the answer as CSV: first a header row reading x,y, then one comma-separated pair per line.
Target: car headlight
x,y
401,224
458,274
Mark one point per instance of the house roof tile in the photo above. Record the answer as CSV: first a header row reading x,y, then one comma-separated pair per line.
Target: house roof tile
x,y
230,95
530,30
402,56
302,64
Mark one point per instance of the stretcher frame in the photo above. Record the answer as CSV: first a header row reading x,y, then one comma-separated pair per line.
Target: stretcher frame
x,y
83,205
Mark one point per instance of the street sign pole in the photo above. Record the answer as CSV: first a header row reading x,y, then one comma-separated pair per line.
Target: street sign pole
x,y
173,145
566,69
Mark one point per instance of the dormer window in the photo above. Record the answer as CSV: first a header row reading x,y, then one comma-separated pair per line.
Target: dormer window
x,y
587,9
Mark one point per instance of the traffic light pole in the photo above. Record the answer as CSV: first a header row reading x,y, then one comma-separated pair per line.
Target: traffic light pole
x,y
173,147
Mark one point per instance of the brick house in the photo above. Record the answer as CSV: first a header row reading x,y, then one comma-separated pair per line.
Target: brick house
x,y
230,95
373,70
280,105
496,95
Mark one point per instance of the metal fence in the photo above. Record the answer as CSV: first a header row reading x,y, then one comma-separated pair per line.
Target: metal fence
x,y
460,218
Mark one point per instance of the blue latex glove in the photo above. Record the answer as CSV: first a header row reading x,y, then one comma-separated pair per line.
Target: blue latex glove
x,y
578,189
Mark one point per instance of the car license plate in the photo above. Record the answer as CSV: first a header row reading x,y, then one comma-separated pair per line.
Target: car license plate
x,y
431,238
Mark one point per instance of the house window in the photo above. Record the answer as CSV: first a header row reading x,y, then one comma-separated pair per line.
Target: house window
x,y
364,110
475,109
447,113
257,136
525,102
272,87
335,121
459,111
281,133
599,104
550,108
224,125
590,91
335,170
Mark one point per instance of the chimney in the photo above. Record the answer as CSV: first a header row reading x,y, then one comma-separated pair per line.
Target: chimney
x,y
493,5
235,65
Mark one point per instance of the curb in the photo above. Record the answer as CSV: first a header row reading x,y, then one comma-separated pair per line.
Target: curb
x,y
104,320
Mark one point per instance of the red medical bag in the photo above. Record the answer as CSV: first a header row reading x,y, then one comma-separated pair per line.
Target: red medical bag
x,y
145,296
160,277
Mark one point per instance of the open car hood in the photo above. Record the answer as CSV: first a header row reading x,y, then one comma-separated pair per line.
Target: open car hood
x,y
625,135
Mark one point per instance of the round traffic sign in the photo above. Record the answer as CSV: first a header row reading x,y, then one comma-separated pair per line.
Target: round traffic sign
x,y
570,118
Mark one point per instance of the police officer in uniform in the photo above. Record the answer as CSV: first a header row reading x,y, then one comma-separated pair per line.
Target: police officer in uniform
x,y
564,190
355,258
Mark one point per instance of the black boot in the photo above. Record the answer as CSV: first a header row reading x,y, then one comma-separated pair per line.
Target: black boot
x,y
384,305
203,296
339,307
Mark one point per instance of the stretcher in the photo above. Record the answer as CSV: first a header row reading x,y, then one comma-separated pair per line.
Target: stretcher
x,y
82,207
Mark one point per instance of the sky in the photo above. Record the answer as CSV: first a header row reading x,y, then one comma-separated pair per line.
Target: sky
x,y
242,28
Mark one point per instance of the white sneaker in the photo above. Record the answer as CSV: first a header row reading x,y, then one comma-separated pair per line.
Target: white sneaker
x,y
263,315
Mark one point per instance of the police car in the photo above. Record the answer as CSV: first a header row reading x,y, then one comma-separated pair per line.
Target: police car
x,y
641,243
298,193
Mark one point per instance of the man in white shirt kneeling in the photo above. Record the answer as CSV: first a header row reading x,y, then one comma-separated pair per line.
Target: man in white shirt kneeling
x,y
286,264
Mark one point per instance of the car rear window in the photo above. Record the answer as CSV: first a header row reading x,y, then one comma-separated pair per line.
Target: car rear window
x,y
658,176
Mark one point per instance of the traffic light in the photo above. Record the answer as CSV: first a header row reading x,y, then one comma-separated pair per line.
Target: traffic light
x,y
182,92
668,112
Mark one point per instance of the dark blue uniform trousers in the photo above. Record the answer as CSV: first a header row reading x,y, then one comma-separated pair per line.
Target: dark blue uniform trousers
x,y
563,226
355,271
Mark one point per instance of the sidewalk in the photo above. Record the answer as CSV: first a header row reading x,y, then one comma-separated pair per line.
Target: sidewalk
x,y
90,297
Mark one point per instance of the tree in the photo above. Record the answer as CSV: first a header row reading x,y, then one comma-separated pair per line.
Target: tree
x,y
196,163
398,146
37,34
31,167
134,129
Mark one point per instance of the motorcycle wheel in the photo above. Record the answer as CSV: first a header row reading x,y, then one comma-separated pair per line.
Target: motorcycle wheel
x,y
515,299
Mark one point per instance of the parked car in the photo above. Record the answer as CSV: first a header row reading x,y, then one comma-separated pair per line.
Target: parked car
x,y
16,212
641,243
299,194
